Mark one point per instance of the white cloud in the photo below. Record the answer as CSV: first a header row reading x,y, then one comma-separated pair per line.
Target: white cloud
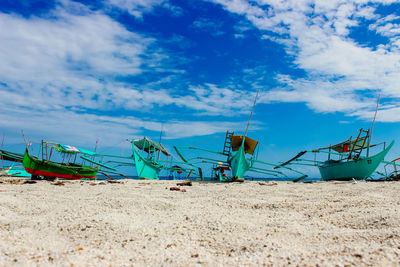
x,y
81,128
139,7
59,70
65,60
339,70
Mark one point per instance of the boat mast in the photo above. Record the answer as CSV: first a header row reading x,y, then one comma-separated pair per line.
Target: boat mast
x,y
2,143
159,151
23,135
248,123
373,122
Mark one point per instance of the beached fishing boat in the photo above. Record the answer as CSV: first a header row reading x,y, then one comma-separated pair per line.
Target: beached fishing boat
x,y
67,169
62,161
240,158
37,167
347,160
148,156
238,151
148,167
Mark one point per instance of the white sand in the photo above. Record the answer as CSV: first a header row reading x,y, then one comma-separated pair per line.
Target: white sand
x,y
144,223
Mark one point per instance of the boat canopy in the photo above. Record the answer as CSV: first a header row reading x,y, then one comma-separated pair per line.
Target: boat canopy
x,y
249,144
349,145
150,146
71,149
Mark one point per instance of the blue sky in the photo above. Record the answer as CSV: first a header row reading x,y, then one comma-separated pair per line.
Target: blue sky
x,y
78,71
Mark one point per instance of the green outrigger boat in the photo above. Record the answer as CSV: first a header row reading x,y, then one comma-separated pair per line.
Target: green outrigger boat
x,y
68,168
39,167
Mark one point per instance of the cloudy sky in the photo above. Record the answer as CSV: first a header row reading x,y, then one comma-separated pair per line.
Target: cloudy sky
x,y
80,71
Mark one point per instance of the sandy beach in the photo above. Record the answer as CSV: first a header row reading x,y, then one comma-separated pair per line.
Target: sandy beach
x,y
211,224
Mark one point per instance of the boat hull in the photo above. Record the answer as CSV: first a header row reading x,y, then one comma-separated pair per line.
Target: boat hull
x,y
353,169
37,167
239,164
146,169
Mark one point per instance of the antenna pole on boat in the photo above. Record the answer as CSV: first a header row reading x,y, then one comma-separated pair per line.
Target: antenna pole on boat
x,y
22,131
2,143
373,122
248,123
159,151
95,147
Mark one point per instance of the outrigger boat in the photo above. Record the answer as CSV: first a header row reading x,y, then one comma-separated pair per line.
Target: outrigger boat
x,y
68,168
239,152
148,166
150,158
346,160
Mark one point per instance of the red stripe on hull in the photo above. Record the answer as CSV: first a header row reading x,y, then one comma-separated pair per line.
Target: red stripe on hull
x,y
59,175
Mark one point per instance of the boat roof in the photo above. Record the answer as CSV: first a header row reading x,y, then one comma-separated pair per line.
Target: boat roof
x,y
71,149
150,146
249,144
360,143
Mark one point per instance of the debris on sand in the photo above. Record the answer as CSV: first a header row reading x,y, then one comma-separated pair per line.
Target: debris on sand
x,y
267,184
185,183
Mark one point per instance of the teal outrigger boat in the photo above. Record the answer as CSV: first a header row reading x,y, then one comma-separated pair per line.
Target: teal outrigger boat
x,y
149,160
347,160
148,167
240,158
239,151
